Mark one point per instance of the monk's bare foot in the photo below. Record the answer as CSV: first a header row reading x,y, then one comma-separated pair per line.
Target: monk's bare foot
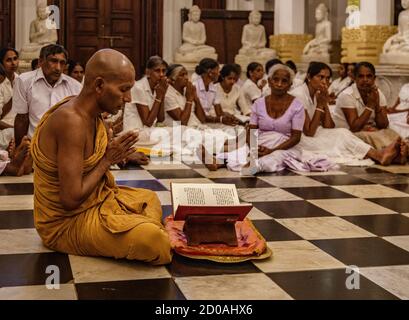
x,y
390,153
11,149
138,158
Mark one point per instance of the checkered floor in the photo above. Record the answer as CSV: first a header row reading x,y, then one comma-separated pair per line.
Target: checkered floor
x,y
317,225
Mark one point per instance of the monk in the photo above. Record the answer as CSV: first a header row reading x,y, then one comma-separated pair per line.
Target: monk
x,y
78,208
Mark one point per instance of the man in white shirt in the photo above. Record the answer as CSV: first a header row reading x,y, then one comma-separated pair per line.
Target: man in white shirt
x,y
37,91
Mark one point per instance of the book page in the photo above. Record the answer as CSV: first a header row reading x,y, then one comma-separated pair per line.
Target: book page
x,y
204,195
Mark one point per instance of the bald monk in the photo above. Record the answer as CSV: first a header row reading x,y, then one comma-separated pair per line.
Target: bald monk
x,y
78,208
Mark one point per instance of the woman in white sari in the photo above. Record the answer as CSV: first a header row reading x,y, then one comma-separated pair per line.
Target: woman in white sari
x,y
320,135
185,118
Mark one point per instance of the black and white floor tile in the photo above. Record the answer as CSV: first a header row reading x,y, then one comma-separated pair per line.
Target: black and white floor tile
x,y
318,225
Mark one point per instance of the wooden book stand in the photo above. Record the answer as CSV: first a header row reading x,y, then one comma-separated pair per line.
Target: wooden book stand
x,y
211,229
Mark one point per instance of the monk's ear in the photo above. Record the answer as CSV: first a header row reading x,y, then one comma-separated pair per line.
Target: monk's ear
x,y
99,84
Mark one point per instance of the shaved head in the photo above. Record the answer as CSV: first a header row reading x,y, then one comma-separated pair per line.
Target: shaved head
x,y
107,64
109,78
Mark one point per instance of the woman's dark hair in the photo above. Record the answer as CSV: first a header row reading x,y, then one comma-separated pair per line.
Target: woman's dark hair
x,y
2,71
315,68
226,71
155,61
205,65
272,63
4,51
252,67
34,64
291,64
365,64
238,68
72,64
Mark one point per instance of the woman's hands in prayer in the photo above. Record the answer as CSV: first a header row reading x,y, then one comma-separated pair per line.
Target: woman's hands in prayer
x,y
120,148
373,99
323,97
190,92
161,89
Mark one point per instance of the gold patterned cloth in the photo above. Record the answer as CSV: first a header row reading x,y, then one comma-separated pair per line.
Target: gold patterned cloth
x,y
118,222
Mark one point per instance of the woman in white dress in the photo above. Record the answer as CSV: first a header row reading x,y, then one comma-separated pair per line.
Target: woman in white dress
x,y
398,115
186,118
251,91
9,60
146,109
320,135
340,84
227,95
209,72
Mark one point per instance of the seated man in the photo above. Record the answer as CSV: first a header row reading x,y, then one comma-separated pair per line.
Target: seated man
x,y
362,108
35,92
78,208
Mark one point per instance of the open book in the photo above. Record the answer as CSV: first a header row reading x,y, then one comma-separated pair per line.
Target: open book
x,y
207,200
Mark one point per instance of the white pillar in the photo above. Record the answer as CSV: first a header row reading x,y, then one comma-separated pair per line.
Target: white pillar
x,y
25,13
289,17
172,28
245,5
376,12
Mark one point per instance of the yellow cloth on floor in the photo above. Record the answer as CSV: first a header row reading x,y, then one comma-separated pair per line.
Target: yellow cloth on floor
x,y
118,222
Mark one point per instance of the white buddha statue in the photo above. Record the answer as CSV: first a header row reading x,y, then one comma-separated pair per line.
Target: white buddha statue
x,y
318,48
40,33
396,48
254,42
194,47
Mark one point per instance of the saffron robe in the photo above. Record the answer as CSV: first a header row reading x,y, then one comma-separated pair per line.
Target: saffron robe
x,y
117,222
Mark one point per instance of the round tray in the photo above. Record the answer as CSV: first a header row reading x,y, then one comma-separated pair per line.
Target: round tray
x,y
229,259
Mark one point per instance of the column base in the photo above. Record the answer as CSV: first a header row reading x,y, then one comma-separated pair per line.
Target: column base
x,y
290,46
365,43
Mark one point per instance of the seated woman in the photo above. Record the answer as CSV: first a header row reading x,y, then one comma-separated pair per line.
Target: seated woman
x,y
398,115
251,91
9,63
76,71
208,71
146,109
342,83
321,137
278,121
183,109
227,95
362,108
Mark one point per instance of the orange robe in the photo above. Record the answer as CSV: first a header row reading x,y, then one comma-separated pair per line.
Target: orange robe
x,y
118,222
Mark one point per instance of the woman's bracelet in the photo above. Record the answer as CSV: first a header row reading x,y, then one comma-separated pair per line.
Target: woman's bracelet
x,y
158,101
189,102
320,110
369,109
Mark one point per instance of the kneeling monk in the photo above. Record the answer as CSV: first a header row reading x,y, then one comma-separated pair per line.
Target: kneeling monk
x,y
78,208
